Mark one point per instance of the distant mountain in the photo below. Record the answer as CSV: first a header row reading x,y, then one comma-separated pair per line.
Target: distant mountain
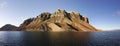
x,y
113,30
58,21
8,27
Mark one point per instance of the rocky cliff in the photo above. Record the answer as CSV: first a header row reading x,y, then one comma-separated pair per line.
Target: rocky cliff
x,y
58,21
8,27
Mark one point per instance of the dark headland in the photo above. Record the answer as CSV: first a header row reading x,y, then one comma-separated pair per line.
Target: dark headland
x,y
8,27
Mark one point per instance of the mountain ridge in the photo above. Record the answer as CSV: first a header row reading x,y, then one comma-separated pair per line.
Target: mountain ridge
x,y
8,27
58,21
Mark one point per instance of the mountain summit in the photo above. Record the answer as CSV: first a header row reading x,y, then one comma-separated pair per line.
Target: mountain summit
x,y
58,21
8,27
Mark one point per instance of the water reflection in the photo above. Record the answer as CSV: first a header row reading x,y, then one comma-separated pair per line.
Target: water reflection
x,y
19,38
68,39
55,39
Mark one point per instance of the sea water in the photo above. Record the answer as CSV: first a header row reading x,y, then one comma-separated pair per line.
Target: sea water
x,y
22,38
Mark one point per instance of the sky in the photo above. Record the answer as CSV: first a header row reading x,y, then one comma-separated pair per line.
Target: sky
x,y
102,14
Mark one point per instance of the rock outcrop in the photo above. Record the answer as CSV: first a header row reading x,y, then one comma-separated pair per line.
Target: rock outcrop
x,y
8,27
58,21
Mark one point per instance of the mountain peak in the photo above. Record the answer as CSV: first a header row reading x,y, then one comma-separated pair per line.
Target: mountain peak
x,y
60,20
60,10
8,27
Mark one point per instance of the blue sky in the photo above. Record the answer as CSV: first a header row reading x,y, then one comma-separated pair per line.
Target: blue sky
x,y
102,14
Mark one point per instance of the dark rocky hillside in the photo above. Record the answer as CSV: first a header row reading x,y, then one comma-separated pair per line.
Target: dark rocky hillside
x,y
8,27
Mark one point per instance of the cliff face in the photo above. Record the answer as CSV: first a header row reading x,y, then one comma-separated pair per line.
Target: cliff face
x,y
8,27
58,21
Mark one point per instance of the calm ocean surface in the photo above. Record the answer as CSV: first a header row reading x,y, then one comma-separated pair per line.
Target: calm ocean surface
x,y
21,38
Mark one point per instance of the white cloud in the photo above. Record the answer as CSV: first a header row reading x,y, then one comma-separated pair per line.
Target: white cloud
x,y
3,4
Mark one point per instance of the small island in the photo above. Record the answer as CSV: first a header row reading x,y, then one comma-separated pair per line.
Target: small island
x,y
59,21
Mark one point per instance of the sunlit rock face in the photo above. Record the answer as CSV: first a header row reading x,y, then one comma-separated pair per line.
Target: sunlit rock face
x,y
59,21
